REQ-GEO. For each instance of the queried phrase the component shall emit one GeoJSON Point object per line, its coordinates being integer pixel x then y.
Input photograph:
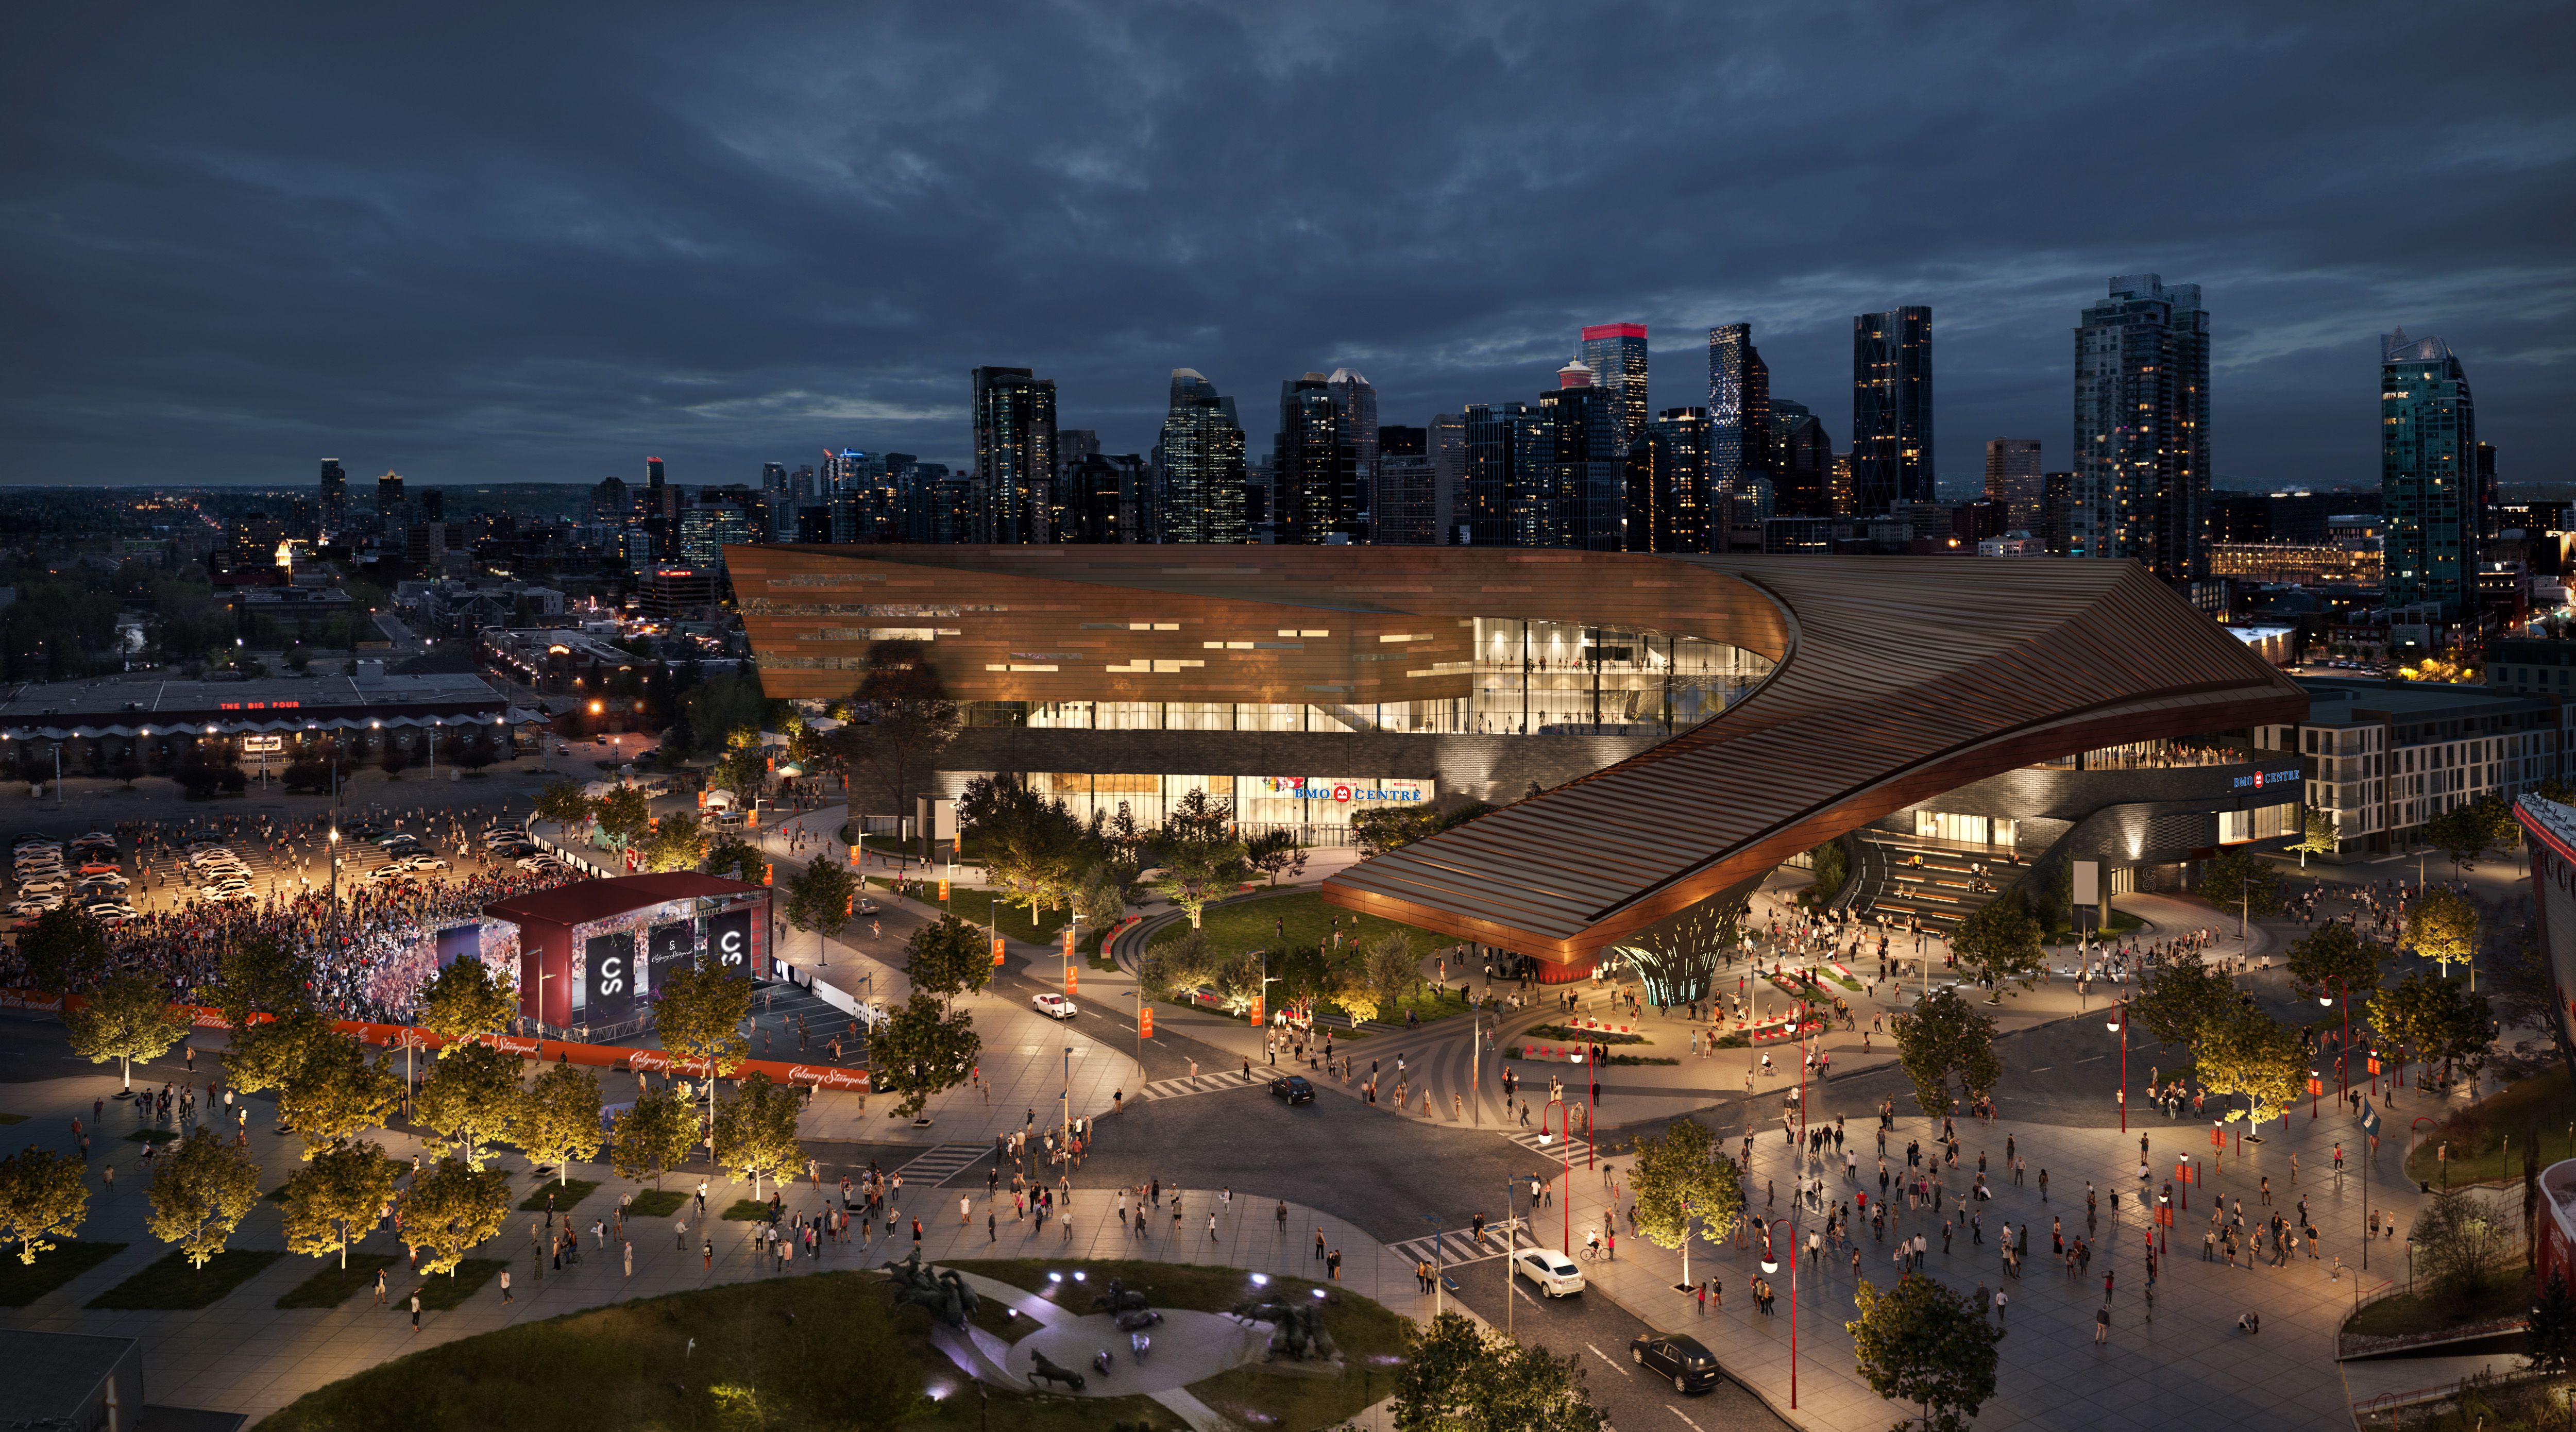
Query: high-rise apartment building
{"type": "Point", "coordinates": [335, 499]}
{"type": "Point", "coordinates": [1687, 503]}
{"type": "Point", "coordinates": [389, 496]}
{"type": "Point", "coordinates": [1739, 411]}
{"type": "Point", "coordinates": [1587, 463]}
{"type": "Point", "coordinates": [1802, 462]}
{"type": "Point", "coordinates": [1616, 354]}
{"type": "Point", "coordinates": [1200, 490]}
{"type": "Point", "coordinates": [2490, 498]}
{"type": "Point", "coordinates": [1072, 445]}
{"type": "Point", "coordinates": [2428, 478]}
{"type": "Point", "coordinates": [1014, 416]}
{"type": "Point", "coordinates": [2056, 512]}
{"type": "Point", "coordinates": [1891, 451]}
{"type": "Point", "coordinates": [1314, 467]}
{"type": "Point", "coordinates": [1356, 402]}
{"type": "Point", "coordinates": [1510, 458]}
{"type": "Point", "coordinates": [2142, 429]}
{"type": "Point", "coordinates": [2013, 478]}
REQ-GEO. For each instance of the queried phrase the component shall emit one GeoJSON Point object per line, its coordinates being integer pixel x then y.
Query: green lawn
{"type": "Point", "coordinates": [443, 1291]}
{"type": "Point", "coordinates": [13, 1118]}
{"type": "Point", "coordinates": [152, 1136]}
{"type": "Point", "coordinates": [565, 1195]}
{"type": "Point", "coordinates": [747, 1210]}
{"type": "Point", "coordinates": [171, 1283]}
{"type": "Point", "coordinates": [2507, 1293]}
{"type": "Point", "coordinates": [332, 1286]}
{"type": "Point", "coordinates": [657, 1203]}
{"type": "Point", "coordinates": [1296, 928]}
{"type": "Point", "coordinates": [24, 1283]}
{"type": "Point", "coordinates": [2487, 1137]}
{"type": "Point", "coordinates": [980, 907]}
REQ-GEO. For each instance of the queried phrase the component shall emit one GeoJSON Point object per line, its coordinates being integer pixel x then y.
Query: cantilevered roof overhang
{"type": "Point", "coordinates": [1898, 679]}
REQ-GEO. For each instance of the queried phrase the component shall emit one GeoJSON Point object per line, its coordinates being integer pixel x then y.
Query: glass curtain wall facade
{"type": "Point", "coordinates": [1529, 678]}
{"type": "Point", "coordinates": [1739, 411]}
{"type": "Point", "coordinates": [2142, 429]}
{"type": "Point", "coordinates": [1014, 415]}
{"type": "Point", "coordinates": [2428, 482]}
{"type": "Point", "coordinates": [1616, 354]}
{"type": "Point", "coordinates": [1891, 453]}
{"type": "Point", "coordinates": [1200, 497]}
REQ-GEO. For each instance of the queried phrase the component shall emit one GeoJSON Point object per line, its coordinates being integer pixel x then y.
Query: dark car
{"type": "Point", "coordinates": [1293, 1088]}
{"type": "Point", "coordinates": [1692, 1367]}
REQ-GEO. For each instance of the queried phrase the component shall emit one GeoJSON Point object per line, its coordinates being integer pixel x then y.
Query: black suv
{"type": "Point", "coordinates": [1692, 1367]}
{"type": "Point", "coordinates": [1293, 1088]}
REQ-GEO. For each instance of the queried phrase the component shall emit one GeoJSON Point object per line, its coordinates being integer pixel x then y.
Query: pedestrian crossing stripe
{"type": "Point", "coordinates": [943, 1162]}
{"type": "Point", "coordinates": [1458, 1246]}
{"type": "Point", "coordinates": [1554, 1147]}
{"type": "Point", "coordinates": [1194, 1084]}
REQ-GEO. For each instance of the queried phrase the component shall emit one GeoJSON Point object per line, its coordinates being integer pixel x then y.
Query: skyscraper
{"type": "Point", "coordinates": [1616, 354]}
{"type": "Point", "coordinates": [1014, 415]}
{"type": "Point", "coordinates": [1315, 476]}
{"type": "Point", "coordinates": [2490, 500]}
{"type": "Point", "coordinates": [2428, 479]}
{"type": "Point", "coordinates": [335, 499]}
{"type": "Point", "coordinates": [1446, 444]}
{"type": "Point", "coordinates": [1739, 410]}
{"type": "Point", "coordinates": [1200, 497]}
{"type": "Point", "coordinates": [389, 496]}
{"type": "Point", "coordinates": [2142, 428]}
{"type": "Point", "coordinates": [1891, 451]}
{"type": "Point", "coordinates": [1072, 445]}
{"type": "Point", "coordinates": [2013, 478]}
{"type": "Point", "coordinates": [1404, 506]}
{"type": "Point", "coordinates": [1587, 463]}
{"type": "Point", "coordinates": [1510, 453]}
{"type": "Point", "coordinates": [1356, 401]}
{"type": "Point", "coordinates": [1802, 462]}
{"type": "Point", "coordinates": [1683, 468]}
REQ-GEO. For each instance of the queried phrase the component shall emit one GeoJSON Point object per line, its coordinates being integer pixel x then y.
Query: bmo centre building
{"type": "Point", "coordinates": [1658, 731]}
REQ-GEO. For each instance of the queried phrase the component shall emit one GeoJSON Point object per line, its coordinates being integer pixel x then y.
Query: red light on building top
{"type": "Point", "coordinates": [1613, 330]}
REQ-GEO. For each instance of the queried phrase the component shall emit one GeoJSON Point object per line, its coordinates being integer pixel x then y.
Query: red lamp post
{"type": "Point", "coordinates": [1771, 1264]}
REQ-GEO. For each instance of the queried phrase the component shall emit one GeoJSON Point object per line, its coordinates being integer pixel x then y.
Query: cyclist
{"type": "Point", "coordinates": [1591, 1242]}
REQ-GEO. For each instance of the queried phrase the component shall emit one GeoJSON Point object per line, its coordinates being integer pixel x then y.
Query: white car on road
{"type": "Point", "coordinates": [1555, 1274]}
{"type": "Point", "coordinates": [1055, 1006]}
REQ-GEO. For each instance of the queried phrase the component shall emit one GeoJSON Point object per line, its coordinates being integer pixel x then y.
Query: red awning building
{"type": "Point", "coordinates": [592, 954]}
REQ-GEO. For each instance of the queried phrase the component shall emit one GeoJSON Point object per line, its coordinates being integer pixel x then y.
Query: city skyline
{"type": "Point", "coordinates": [662, 249]}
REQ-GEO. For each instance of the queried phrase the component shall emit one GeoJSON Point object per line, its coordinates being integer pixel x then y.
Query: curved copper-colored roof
{"type": "Point", "coordinates": [1899, 678]}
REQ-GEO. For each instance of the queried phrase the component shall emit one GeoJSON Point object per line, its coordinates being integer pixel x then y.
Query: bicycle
{"type": "Point", "coordinates": [1588, 1254]}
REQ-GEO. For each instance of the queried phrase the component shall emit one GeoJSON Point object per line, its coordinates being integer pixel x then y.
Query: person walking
{"type": "Point", "coordinates": [629, 1249]}
{"type": "Point", "coordinates": [380, 1287]}
{"type": "Point", "coordinates": [507, 1297]}
{"type": "Point", "coordinates": [415, 1310]}
{"type": "Point", "coordinates": [680, 1231]}
{"type": "Point", "coordinates": [2101, 1325]}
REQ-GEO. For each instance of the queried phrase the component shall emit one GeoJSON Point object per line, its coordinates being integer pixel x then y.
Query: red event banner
{"type": "Point", "coordinates": [603, 1056]}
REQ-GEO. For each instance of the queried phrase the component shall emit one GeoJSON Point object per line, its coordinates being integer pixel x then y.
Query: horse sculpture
{"type": "Point", "coordinates": [1296, 1329]}
{"type": "Point", "coordinates": [1119, 1299]}
{"type": "Point", "coordinates": [1047, 1371]}
{"type": "Point", "coordinates": [943, 1293]}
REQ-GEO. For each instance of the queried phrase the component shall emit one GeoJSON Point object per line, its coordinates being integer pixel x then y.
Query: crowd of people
{"type": "Point", "coordinates": [371, 947]}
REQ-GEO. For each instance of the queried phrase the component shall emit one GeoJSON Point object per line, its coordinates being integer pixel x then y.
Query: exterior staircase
{"type": "Point", "coordinates": [1924, 878]}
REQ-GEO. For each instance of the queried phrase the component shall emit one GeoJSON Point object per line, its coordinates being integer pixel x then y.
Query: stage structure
{"type": "Point", "coordinates": [591, 954]}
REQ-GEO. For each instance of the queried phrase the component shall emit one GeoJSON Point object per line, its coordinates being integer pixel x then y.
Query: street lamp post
{"type": "Point", "coordinates": [1772, 1265]}
{"type": "Point", "coordinates": [1566, 1160]}
{"type": "Point", "coordinates": [2119, 1024]}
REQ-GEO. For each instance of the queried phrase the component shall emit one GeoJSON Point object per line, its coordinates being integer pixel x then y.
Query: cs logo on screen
{"type": "Point", "coordinates": [729, 947]}
{"type": "Point", "coordinates": [612, 975]}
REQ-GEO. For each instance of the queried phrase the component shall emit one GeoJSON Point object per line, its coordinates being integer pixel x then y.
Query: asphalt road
{"type": "Point", "coordinates": [1597, 1331]}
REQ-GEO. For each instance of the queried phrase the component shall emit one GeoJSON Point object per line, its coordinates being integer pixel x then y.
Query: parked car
{"type": "Point", "coordinates": [391, 870]}
{"type": "Point", "coordinates": [100, 867]}
{"type": "Point", "coordinates": [111, 911]}
{"type": "Point", "coordinates": [1684, 1359]}
{"type": "Point", "coordinates": [1555, 1274]}
{"type": "Point", "coordinates": [1293, 1088]}
{"type": "Point", "coordinates": [399, 837]}
{"type": "Point", "coordinates": [423, 862]}
{"type": "Point", "coordinates": [1054, 1006]}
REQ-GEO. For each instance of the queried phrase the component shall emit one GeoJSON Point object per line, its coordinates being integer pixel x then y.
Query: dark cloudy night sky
{"type": "Point", "coordinates": [541, 241]}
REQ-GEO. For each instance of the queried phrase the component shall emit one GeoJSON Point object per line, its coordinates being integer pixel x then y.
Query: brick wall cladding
{"type": "Point", "coordinates": [1489, 768]}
